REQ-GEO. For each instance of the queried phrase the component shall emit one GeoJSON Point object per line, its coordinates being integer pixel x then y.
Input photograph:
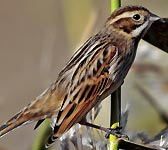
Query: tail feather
{"type": "Point", "coordinates": [34, 111]}
{"type": "Point", "coordinates": [12, 124]}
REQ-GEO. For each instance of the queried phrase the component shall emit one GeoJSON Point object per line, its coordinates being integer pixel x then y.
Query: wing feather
{"type": "Point", "coordinates": [89, 80]}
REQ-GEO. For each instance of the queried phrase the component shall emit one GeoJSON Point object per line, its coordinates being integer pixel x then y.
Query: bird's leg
{"type": "Point", "coordinates": [114, 131]}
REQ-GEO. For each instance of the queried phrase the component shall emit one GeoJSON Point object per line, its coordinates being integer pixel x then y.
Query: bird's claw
{"type": "Point", "coordinates": [116, 132]}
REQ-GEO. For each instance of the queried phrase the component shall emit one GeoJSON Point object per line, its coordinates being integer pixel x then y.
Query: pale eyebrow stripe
{"type": "Point", "coordinates": [123, 15]}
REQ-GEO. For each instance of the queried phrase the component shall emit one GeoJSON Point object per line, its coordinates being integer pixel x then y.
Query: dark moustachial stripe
{"type": "Point", "coordinates": [135, 26]}
{"type": "Point", "coordinates": [130, 28]}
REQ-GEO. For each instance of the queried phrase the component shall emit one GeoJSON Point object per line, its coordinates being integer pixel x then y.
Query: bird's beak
{"type": "Point", "coordinates": [154, 17]}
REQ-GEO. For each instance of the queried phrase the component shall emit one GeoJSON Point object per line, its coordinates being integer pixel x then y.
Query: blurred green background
{"type": "Point", "coordinates": [37, 37]}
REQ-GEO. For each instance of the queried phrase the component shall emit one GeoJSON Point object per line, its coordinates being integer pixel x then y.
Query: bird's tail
{"type": "Point", "coordinates": [38, 109]}
{"type": "Point", "coordinates": [32, 112]}
{"type": "Point", "coordinates": [15, 122]}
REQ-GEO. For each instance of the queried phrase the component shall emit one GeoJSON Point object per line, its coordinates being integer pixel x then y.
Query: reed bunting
{"type": "Point", "coordinates": [96, 70]}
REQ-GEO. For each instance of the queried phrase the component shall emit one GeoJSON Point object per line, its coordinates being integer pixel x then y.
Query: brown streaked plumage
{"type": "Point", "coordinates": [96, 70]}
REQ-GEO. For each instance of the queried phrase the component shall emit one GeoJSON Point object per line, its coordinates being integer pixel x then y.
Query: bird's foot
{"type": "Point", "coordinates": [116, 132]}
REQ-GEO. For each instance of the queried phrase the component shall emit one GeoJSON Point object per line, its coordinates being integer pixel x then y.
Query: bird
{"type": "Point", "coordinates": [93, 72]}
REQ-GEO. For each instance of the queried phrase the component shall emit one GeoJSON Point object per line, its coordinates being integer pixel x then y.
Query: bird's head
{"type": "Point", "coordinates": [131, 21]}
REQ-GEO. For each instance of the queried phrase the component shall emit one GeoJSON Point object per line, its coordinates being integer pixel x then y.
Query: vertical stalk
{"type": "Point", "coordinates": [115, 98]}
{"type": "Point", "coordinates": [42, 136]}
{"type": "Point", "coordinates": [115, 4]}
{"type": "Point", "coordinates": [115, 107]}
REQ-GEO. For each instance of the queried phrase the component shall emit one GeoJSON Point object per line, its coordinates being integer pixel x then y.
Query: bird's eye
{"type": "Point", "coordinates": [136, 17]}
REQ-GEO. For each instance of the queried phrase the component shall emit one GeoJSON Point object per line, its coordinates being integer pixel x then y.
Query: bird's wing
{"type": "Point", "coordinates": [89, 80]}
{"type": "Point", "coordinates": [91, 73]}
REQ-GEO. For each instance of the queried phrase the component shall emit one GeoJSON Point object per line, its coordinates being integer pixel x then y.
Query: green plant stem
{"type": "Point", "coordinates": [115, 4]}
{"type": "Point", "coordinates": [115, 96]}
{"type": "Point", "coordinates": [43, 132]}
{"type": "Point", "coordinates": [115, 106]}
{"type": "Point", "coordinates": [115, 99]}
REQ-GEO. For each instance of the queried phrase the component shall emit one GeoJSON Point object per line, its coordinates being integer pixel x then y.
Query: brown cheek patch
{"type": "Point", "coordinates": [126, 24]}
